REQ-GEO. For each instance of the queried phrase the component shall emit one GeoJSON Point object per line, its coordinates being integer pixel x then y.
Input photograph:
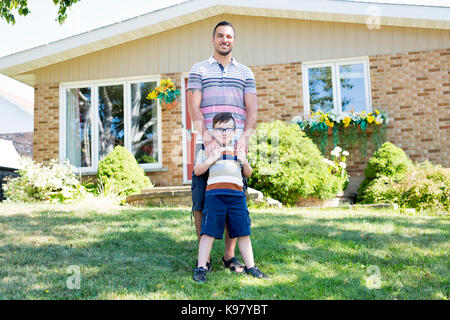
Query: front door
{"type": "Point", "coordinates": [190, 137]}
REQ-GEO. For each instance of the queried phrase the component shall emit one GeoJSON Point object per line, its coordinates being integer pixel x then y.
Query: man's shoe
{"type": "Point", "coordinates": [255, 272]}
{"type": "Point", "coordinates": [200, 275]}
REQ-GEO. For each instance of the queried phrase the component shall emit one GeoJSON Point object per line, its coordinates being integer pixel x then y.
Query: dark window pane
{"type": "Point", "coordinates": [144, 123]}
{"type": "Point", "coordinates": [111, 121]}
{"type": "Point", "coordinates": [320, 89]}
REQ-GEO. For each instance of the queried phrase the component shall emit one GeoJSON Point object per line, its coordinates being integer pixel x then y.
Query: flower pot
{"type": "Point", "coordinates": [171, 105]}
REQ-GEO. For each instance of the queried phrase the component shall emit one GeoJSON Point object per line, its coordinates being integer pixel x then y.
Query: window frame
{"type": "Point", "coordinates": [94, 85]}
{"type": "Point", "coordinates": [335, 64]}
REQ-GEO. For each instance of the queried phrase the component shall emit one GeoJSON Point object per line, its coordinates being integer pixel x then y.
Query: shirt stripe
{"type": "Point", "coordinates": [223, 89]}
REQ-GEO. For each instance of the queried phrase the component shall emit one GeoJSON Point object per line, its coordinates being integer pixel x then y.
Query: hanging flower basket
{"type": "Point", "coordinates": [170, 105]}
{"type": "Point", "coordinates": [166, 93]}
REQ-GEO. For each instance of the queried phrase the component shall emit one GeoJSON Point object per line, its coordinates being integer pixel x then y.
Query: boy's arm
{"type": "Point", "coordinates": [201, 166]}
{"type": "Point", "coordinates": [246, 168]}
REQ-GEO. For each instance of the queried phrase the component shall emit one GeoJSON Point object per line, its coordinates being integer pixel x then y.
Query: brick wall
{"type": "Point", "coordinates": [46, 122]}
{"type": "Point", "coordinates": [413, 87]}
{"type": "Point", "coordinates": [172, 141]}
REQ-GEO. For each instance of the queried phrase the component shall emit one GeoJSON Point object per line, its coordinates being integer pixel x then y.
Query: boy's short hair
{"type": "Point", "coordinates": [223, 117]}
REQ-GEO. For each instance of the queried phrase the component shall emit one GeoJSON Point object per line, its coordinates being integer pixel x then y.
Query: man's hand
{"type": "Point", "coordinates": [241, 157]}
{"type": "Point", "coordinates": [211, 146]}
{"type": "Point", "coordinates": [215, 155]}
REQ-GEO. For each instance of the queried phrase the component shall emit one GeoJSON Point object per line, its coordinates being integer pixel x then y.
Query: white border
{"type": "Point", "coordinates": [94, 85]}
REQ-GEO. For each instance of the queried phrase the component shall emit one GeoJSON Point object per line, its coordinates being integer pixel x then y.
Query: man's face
{"type": "Point", "coordinates": [223, 40]}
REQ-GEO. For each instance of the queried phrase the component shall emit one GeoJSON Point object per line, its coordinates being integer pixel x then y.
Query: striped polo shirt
{"type": "Point", "coordinates": [225, 175]}
{"type": "Point", "coordinates": [223, 89]}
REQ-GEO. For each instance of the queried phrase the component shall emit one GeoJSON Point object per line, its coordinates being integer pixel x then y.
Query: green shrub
{"type": "Point", "coordinates": [423, 186]}
{"type": "Point", "coordinates": [53, 183]}
{"type": "Point", "coordinates": [388, 161]}
{"type": "Point", "coordinates": [288, 165]}
{"type": "Point", "coordinates": [119, 170]}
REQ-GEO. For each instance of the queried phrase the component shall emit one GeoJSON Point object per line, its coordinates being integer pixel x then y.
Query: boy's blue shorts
{"type": "Point", "coordinates": [220, 209]}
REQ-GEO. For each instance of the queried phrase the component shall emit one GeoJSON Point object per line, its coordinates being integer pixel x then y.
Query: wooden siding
{"type": "Point", "coordinates": [260, 41]}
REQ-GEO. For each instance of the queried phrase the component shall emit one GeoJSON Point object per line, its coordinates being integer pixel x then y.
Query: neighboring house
{"type": "Point", "coordinates": [90, 89]}
{"type": "Point", "coordinates": [16, 122]}
{"type": "Point", "coordinates": [9, 163]}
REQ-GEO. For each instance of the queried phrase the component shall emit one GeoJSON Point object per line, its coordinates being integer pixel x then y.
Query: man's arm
{"type": "Point", "coordinates": [194, 99]}
{"type": "Point", "coordinates": [250, 121]}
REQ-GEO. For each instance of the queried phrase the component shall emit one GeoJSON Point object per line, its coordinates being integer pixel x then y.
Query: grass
{"type": "Point", "coordinates": [149, 253]}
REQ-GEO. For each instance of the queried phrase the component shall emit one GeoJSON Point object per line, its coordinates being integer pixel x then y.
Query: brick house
{"type": "Point", "coordinates": [16, 121]}
{"type": "Point", "coordinates": [90, 88]}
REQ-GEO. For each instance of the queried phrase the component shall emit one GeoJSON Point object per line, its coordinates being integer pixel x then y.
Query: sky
{"type": "Point", "coordinates": [39, 27]}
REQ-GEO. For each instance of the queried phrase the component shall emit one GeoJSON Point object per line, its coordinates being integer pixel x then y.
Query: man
{"type": "Point", "coordinates": [220, 84]}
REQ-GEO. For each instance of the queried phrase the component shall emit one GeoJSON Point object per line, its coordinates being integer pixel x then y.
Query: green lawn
{"type": "Point", "coordinates": [149, 253]}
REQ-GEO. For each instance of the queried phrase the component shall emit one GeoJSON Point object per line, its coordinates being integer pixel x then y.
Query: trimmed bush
{"type": "Point", "coordinates": [53, 183]}
{"type": "Point", "coordinates": [288, 165]}
{"type": "Point", "coordinates": [119, 170]}
{"type": "Point", "coordinates": [423, 186]}
{"type": "Point", "coordinates": [388, 161]}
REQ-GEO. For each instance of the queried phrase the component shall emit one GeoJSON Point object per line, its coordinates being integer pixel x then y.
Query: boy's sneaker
{"type": "Point", "coordinates": [200, 275]}
{"type": "Point", "coordinates": [255, 272]}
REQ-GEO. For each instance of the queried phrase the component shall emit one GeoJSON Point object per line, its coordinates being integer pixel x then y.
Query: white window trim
{"type": "Point", "coordinates": [335, 63]}
{"type": "Point", "coordinates": [93, 85]}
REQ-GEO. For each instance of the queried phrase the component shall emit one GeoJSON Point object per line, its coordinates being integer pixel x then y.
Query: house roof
{"type": "Point", "coordinates": [18, 65]}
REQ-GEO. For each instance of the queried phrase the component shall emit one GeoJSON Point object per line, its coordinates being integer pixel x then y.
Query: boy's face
{"type": "Point", "coordinates": [224, 131]}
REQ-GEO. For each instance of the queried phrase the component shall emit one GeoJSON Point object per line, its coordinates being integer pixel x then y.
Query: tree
{"type": "Point", "coordinates": [9, 7]}
{"type": "Point", "coordinates": [321, 88]}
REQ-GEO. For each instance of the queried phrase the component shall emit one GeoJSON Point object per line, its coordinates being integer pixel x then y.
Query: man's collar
{"type": "Point", "coordinates": [211, 60]}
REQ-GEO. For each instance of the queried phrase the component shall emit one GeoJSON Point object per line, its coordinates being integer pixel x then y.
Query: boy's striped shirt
{"type": "Point", "coordinates": [225, 175]}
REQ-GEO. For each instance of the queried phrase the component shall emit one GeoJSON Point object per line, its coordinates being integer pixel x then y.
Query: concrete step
{"type": "Point", "coordinates": [181, 195]}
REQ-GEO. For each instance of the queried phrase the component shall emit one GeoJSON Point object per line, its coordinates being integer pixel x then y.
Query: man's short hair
{"type": "Point", "coordinates": [223, 23]}
{"type": "Point", "coordinates": [223, 117]}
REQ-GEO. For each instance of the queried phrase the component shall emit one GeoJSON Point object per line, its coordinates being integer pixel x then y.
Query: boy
{"type": "Point", "coordinates": [224, 197]}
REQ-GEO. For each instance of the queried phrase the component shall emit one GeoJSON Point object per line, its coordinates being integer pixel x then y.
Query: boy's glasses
{"type": "Point", "coordinates": [224, 130]}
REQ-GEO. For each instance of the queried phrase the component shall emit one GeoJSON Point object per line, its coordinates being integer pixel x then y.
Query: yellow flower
{"type": "Point", "coordinates": [370, 119]}
{"type": "Point", "coordinates": [377, 112]}
{"type": "Point", "coordinates": [151, 95]}
{"type": "Point", "coordinates": [329, 123]}
{"type": "Point", "coordinates": [346, 121]}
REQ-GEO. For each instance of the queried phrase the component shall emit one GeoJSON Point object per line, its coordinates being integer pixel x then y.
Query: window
{"type": "Point", "coordinates": [336, 86]}
{"type": "Point", "coordinates": [97, 116]}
